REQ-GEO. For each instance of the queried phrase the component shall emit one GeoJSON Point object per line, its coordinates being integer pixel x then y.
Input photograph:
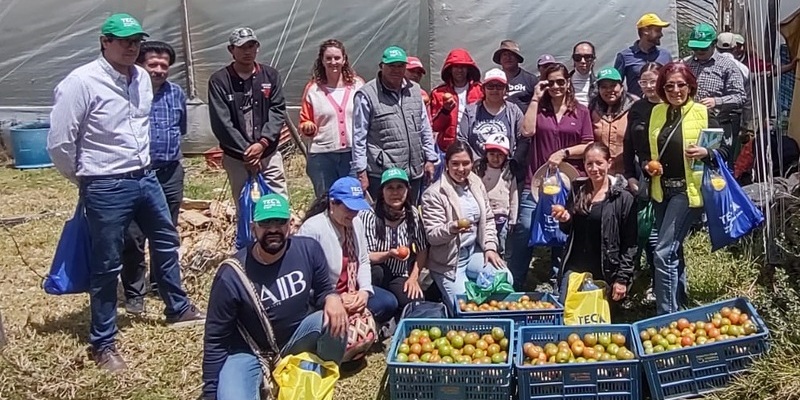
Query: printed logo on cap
{"type": "Point", "coordinates": [395, 53]}
{"type": "Point", "coordinates": [356, 191]}
{"type": "Point", "coordinates": [128, 22]}
{"type": "Point", "coordinates": [394, 172]}
{"type": "Point", "coordinates": [270, 203]}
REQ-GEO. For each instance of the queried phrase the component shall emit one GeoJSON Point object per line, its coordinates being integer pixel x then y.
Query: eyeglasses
{"type": "Point", "coordinates": [647, 83]}
{"type": "Point", "coordinates": [582, 57]}
{"type": "Point", "coordinates": [127, 42]}
{"type": "Point", "coordinates": [494, 87]}
{"type": "Point", "coordinates": [557, 82]}
{"type": "Point", "coordinates": [673, 86]}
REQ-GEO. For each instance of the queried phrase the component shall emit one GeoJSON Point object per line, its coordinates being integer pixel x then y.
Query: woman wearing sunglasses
{"type": "Point", "coordinates": [673, 130]}
{"type": "Point", "coordinates": [582, 77]}
{"type": "Point", "coordinates": [559, 128]}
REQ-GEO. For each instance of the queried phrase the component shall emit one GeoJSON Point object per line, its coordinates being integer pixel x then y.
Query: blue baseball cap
{"type": "Point", "coordinates": [348, 191]}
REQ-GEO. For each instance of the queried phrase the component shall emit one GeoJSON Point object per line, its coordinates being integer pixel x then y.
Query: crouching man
{"type": "Point", "coordinates": [290, 277]}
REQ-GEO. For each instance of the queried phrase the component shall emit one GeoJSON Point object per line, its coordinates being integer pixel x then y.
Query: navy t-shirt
{"type": "Point", "coordinates": [487, 125]}
{"type": "Point", "coordinates": [290, 289]}
{"type": "Point", "coordinates": [520, 89]}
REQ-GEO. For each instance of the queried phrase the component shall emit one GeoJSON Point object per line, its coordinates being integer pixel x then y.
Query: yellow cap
{"type": "Point", "coordinates": [650, 20]}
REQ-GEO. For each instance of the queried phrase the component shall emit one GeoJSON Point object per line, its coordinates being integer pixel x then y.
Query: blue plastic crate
{"type": "Point", "coordinates": [705, 368]}
{"type": "Point", "coordinates": [520, 317]}
{"type": "Point", "coordinates": [606, 380]}
{"type": "Point", "coordinates": [422, 381]}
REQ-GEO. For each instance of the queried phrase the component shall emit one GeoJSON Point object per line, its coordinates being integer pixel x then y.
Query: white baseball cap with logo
{"type": "Point", "coordinates": [497, 141]}
{"type": "Point", "coordinates": [495, 74]}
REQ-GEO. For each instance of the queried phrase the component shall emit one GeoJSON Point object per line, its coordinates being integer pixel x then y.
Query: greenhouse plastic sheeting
{"type": "Point", "coordinates": [44, 39]}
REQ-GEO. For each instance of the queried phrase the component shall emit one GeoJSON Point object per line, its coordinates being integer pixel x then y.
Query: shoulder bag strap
{"type": "Point", "coordinates": [674, 129]}
{"type": "Point", "coordinates": [274, 350]}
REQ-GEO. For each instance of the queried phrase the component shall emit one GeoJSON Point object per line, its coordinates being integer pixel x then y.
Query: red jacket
{"type": "Point", "coordinates": [444, 123]}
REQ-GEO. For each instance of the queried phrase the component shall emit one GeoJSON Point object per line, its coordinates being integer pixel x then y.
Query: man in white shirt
{"type": "Point", "coordinates": [583, 79]}
{"type": "Point", "coordinates": [100, 140]}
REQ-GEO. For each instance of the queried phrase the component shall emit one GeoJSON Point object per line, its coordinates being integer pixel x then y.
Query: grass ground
{"type": "Point", "coordinates": [46, 355]}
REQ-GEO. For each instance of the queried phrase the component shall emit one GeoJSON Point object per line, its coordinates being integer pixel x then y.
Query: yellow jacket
{"type": "Point", "coordinates": [695, 119]}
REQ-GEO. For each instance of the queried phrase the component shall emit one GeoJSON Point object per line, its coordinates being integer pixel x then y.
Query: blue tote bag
{"type": "Point", "coordinates": [731, 214]}
{"type": "Point", "coordinates": [253, 189]}
{"type": "Point", "coordinates": [69, 272]}
{"type": "Point", "coordinates": [545, 230]}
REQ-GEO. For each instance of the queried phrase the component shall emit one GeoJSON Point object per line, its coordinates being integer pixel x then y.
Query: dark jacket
{"type": "Point", "coordinates": [618, 226]}
{"type": "Point", "coordinates": [225, 102]}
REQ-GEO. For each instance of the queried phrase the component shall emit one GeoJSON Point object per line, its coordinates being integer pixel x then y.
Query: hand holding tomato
{"type": "Point", "coordinates": [559, 213]}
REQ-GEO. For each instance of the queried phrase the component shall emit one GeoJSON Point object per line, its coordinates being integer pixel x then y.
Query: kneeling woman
{"type": "Point", "coordinates": [460, 226]}
{"type": "Point", "coordinates": [396, 239]}
{"type": "Point", "coordinates": [600, 219]}
{"type": "Point", "coordinates": [332, 221]}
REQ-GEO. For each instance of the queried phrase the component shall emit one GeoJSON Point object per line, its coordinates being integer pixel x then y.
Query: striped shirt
{"type": "Point", "coordinates": [718, 78]}
{"type": "Point", "coordinates": [167, 123]}
{"type": "Point", "coordinates": [393, 238]}
{"type": "Point", "coordinates": [100, 122]}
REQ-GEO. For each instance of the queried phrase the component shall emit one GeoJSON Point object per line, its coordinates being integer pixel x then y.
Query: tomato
{"type": "Point", "coordinates": [686, 341]}
{"type": "Point", "coordinates": [683, 323]}
{"type": "Point", "coordinates": [402, 357]}
{"type": "Point", "coordinates": [416, 348]}
{"type": "Point", "coordinates": [435, 333]}
{"type": "Point", "coordinates": [618, 339]}
{"type": "Point", "coordinates": [725, 312]}
{"type": "Point", "coordinates": [498, 334]}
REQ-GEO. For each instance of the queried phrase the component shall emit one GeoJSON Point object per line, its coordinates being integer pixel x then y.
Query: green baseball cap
{"type": "Point", "coordinates": [702, 36]}
{"type": "Point", "coordinates": [122, 26]}
{"type": "Point", "coordinates": [609, 74]}
{"type": "Point", "coordinates": [394, 173]}
{"type": "Point", "coordinates": [394, 54]}
{"type": "Point", "coordinates": [271, 206]}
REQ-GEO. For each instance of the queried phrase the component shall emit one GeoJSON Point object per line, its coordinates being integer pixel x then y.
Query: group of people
{"type": "Point", "coordinates": [409, 184]}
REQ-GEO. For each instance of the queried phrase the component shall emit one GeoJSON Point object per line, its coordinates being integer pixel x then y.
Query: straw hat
{"type": "Point", "coordinates": [567, 171]}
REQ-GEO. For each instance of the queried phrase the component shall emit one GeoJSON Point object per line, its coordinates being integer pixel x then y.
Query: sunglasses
{"type": "Point", "coordinates": [557, 82]}
{"type": "Point", "coordinates": [272, 222]}
{"type": "Point", "coordinates": [582, 57]}
{"type": "Point", "coordinates": [672, 86]}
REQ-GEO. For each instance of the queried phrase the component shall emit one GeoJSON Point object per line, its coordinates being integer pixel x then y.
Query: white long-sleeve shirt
{"type": "Point", "coordinates": [100, 123]}
{"type": "Point", "coordinates": [320, 227]}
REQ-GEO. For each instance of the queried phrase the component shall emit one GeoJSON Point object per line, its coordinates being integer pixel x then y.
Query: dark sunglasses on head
{"type": "Point", "coordinates": [557, 82]}
{"type": "Point", "coordinates": [672, 86]}
{"type": "Point", "coordinates": [582, 57]}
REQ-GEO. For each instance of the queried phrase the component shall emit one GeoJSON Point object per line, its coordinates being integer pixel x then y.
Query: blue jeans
{"type": "Point", "coordinates": [325, 168]}
{"type": "Point", "coordinates": [382, 304]}
{"type": "Point", "coordinates": [170, 177]}
{"type": "Point", "coordinates": [111, 205]}
{"type": "Point", "coordinates": [673, 220]}
{"type": "Point", "coordinates": [240, 377]}
{"type": "Point", "coordinates": [518, 253]}
{"type": "Point", "coordinates": [470, 264]}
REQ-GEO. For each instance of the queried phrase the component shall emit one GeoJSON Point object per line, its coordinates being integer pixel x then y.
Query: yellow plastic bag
{"type": "Point", "coordinates": [585, 307]}
{"type": "Point", "coordinates": [305, 376]}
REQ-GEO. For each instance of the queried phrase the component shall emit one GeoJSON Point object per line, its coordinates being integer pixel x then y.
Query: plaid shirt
{"type": "Point", "coordinates": [167, 123]}
{"type": "Point", "coordinates": [720, 79]}
{"type": "Point", "coordinates": [786, 88]}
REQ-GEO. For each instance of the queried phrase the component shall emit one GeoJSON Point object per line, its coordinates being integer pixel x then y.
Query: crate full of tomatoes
{"type": "Point", "coordinates": [451, 359]}
{"type": "Point", "coordinates": [589, 361]}
{"type": "Point", "coordinates": [525, 308]}
{"type": "Point", "coordinates": [697, 351]}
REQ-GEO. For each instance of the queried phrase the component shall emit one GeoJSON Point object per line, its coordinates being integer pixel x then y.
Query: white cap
{"type": "Point", "coordinates": [495, 74]}
{"type": "Point", "coordinates": [726, 40]}
{"type": "Point", "coordinates": [497, 141]}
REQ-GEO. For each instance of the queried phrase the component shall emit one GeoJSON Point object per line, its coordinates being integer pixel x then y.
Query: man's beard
{"type": "Point", "coordinates": [272, 243]}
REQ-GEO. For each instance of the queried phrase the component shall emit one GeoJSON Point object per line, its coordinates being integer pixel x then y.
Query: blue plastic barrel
{"type": "Point", "coordinates": [29, 145]}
